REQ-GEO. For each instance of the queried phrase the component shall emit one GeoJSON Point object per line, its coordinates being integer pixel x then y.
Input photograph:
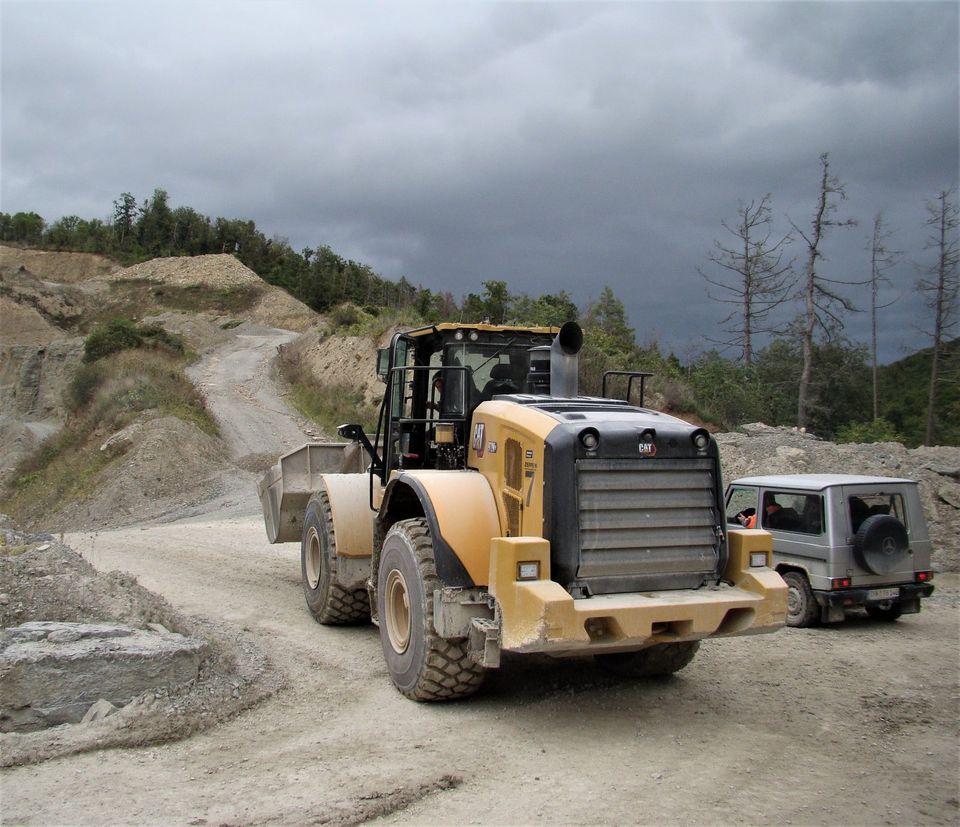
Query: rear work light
{"type": "Point", "coordinates": [840, 583]}
{"type": "Point", "coordinates": [923, 576]}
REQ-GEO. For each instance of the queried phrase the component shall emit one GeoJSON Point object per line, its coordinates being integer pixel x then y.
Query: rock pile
{"type": "Point", "coordinates": [91, 659]}
{"type": "Point", "coordinates": [274, 307]}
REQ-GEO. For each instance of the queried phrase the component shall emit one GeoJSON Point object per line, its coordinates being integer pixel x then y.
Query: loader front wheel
{"type": "Point", "coordinates": [422, 665]}
{"type": "Point", "coordinates": [655, 661]}
{"type": "Point", "coordinates": [329, 602]}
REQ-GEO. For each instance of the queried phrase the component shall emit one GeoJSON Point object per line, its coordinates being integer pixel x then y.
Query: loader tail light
{"type": "Point", "coordinates": [840, 583]}
{"type": "Point", "coordinates": [528, 570]}
{"type": "Point", "coordinates": [924, 576]}
{"type": "Point", "coordinates": [758, 559]}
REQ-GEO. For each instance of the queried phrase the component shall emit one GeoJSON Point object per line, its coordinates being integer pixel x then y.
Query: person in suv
{"type": "Point", "coordinates": [841, 542]}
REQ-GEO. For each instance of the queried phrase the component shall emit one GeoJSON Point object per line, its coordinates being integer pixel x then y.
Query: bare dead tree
{"type": "Point", "coordinates": [941, 286]}
{"type": "Point", "coordinates": [757, 280]}
{"type": "Point", "coordinates": [882, 259]}
{"type": "Point", "coordinates": [823, 305]}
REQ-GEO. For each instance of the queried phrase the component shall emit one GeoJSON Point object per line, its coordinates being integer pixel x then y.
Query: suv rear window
{"type": "Point", "coordinates": [867, 505]}
{"type": "Point", "coordinates": [802, 513]}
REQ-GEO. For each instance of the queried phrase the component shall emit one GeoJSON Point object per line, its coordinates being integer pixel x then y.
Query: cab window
{"type": "Point", "coordinates": [401, 396]}
{"type": "Point", "coordinates": [789, 511]}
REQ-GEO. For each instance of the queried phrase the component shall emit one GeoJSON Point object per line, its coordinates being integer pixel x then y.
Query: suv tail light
{"type": "Point", "coordinates": [923, 576]}
{"type": "Point", "coordinates": [840, 583]}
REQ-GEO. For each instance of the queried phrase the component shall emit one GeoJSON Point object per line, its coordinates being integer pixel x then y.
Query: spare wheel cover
{"type": "Point", "coordinates": [881, 543]}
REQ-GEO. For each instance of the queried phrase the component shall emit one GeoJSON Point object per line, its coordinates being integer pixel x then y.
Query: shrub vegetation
{"type": "Point", "coordinates": [123, 334]}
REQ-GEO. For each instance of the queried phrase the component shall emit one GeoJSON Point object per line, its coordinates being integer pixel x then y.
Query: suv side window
{"type": "Point", "coordinates": [787, 511]}
{"type": "Point", "coordinates": [869, 505]}
{"type": "Point", "coordinates": [741, 501]}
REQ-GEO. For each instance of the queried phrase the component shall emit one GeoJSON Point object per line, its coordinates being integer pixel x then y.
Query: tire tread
{"type": "Point", "coordinates": [449, 671]}
{"type": "Point", "coordinates": [342, 607]}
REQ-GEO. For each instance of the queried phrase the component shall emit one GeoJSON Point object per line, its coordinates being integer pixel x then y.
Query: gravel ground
{"type": "Point", "coordinates": [853, 724]}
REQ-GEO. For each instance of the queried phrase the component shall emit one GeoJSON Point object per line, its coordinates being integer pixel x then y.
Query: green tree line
{"type": "Point", "coordinates": [725, 391]}
{"type": "Point", "coordinates": [136, 232]}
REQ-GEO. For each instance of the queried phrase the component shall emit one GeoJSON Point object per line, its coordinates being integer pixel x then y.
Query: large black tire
{"type": "Point", "coordinates": [655, 661]}
{"type": "Point", "coordinates": [881, 543]}
{"type": "Point", "coordinates": [329, 603]}
{"type": "Point", "coordinates": [887, 613]}
{"type": "Point", "coordinates": [423, 665]}
{"type": "Point", "coordinates": [802, 608]}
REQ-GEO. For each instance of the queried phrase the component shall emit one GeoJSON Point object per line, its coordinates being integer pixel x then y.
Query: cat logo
{"type": "Point", "coordinates": [648, 449]}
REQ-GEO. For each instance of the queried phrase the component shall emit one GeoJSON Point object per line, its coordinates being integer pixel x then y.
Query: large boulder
{"type": "Point", "coordinates": [52, 672]}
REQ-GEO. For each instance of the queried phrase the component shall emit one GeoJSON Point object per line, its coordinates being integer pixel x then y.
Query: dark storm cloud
{"type": "Point", "coordinates": [894, 44]}
{"type": "Point", "coordinates": [553, 145]}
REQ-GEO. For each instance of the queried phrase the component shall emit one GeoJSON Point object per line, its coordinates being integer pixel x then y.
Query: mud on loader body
{"type": "Point", "coordinates": [500, 511]}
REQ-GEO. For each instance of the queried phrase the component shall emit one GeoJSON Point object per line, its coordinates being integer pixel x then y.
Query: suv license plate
{"type": "Point", "coordinates": [883, 594]}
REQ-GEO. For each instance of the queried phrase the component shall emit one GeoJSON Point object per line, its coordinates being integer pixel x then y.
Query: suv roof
{"type": "Point", "coordinates": [815, 482]}
{"type": "Point", "coordinates": [484, 327]}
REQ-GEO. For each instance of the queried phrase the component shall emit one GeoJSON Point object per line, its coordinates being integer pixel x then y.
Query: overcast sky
{"type": "Point", "coordinates": [551, 145]}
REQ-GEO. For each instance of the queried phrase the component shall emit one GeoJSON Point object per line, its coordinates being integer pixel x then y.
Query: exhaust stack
{"type": "Point", "coordinates": [564, 362]}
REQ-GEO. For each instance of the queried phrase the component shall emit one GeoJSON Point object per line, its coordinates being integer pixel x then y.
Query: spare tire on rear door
{"type": "Point", "coordinates": [880, 543]}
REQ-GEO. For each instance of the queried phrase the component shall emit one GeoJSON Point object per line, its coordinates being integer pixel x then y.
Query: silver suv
{"type": "Point", "coordinates": [840, 542]}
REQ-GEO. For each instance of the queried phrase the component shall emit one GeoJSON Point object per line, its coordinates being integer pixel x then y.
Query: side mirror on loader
{"type": "Point", "coordinates": [355, 433]}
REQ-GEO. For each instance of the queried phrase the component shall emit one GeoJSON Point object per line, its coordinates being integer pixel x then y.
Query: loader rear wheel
{"type": "Point", "coordinates": [329, 602]}
{"type": "Point", "coordinates": [422, 665]}
{"type": "Point", "coordinates": [654, 661]}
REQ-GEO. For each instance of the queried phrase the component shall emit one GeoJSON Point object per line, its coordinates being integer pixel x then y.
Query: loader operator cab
{"type": "Point", "coordinates": [436, 377]}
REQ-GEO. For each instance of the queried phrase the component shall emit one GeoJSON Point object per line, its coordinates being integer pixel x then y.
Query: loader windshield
{"type": "Point", "coordinates": [490, 369]}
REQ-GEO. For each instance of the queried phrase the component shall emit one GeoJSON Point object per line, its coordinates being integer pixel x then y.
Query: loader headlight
{"type": "Point", "coordinates": [758, 559]}
{"type": "Point", "coordinates": [528, 570]}
{"type": "Point", "coordinates": [701, 439]}
{"type": "Point", "coordinates": [590, 439]}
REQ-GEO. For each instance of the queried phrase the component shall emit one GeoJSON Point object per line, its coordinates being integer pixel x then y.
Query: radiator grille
{"type": "Point", "coordinates": [646, 517]}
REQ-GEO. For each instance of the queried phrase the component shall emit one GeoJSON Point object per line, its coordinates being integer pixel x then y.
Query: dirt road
{"type": "Point", "coordinates": [236, 381]}
{"type": "Point", "coordinates": [853, 724]}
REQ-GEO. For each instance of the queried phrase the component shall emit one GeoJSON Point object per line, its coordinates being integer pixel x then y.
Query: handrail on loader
{"type": "Point", "coordinates": [633, 374]}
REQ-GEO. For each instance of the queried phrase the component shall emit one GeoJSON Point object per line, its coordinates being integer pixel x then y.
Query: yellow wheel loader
{"type": "Point", "coordinates": [496, 510]}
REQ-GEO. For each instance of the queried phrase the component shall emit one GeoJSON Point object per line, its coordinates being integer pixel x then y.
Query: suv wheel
{"type": "Point", "coordinates": [802, 608]}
